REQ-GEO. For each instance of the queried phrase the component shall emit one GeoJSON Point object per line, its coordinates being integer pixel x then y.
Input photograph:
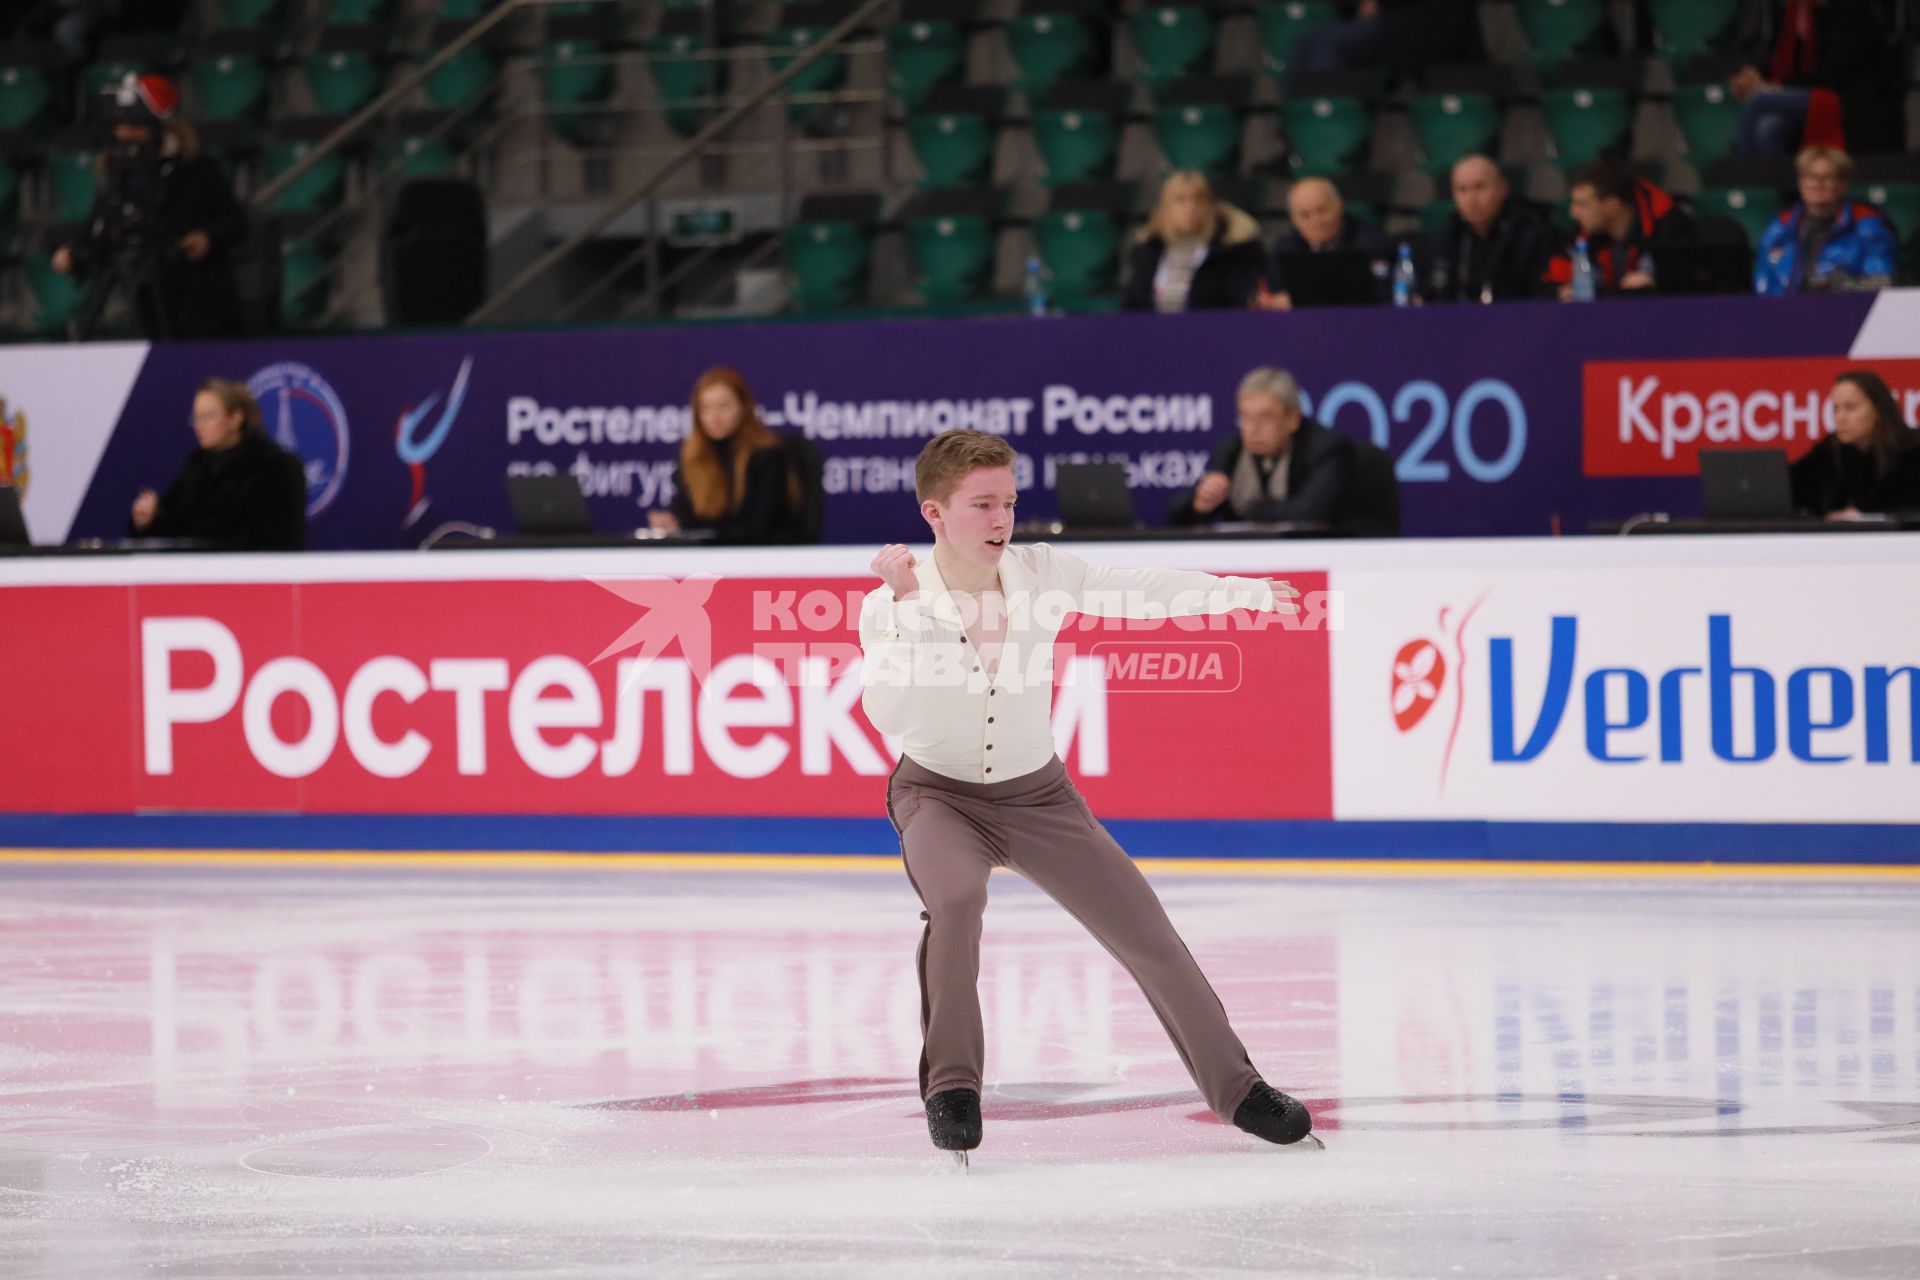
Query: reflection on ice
{"type": "Point", "coordinates": [474, 1074]}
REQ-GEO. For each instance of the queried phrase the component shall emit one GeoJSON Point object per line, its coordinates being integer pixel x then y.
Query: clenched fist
{"type": "Point", "coordinates": [895, 564]}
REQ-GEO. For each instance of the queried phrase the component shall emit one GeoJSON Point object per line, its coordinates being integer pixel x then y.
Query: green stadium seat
{"type": "Point", "coordinates": [1891, 184]}
{"type": "Point", "coordinates": [1076, 130]}
{"type": "Point", "coordinates": [1171, 42]}
{"type": "Point", "coordinates": [954, 138]}
{"type": "Point", "coordinates": [56, 297]}
{"type": "Point", "coordinates": [1708, 117]}
{"type": "Point", "coordinates": [229, 86]}
{"type": "Point", "coordinates": [26, 87]}
{"type": "Point", "coordinates": [1081, 248]}
{"type": "Point", "coordinates": [1282, 24]}
{"type": "Point", "coordinates": [927, 49]}
{"type": "Point", "coordinates": [1456, 114]}
{"type": "Point", "coordinates": [829, 264]}
{"type": "Point", "coordinates": [576, 76]}
{"type": "Point", "coordinates": [304, 282]}
{"type": "Point", "coordinates": [358, 13]}
{"type": "Point", "coordinates": [463, 81]}
{"type": "Point", "coordinates": [1199, 135]}
{"type": "Point", "coordinates": [1688, 28]}
{"type": "Point", "coordinates": [1328, 120]}
{"type": "Point", "coordinates": [1589, 112]}
{"type": "Point", "coordinates": [1197, 125]}
{"type": "Point", "coordinates": [1752, 207]}
{"type": "Point", "coordinates": [344, 73]}
{"type": "Point", "coordinates": [463, 11]}
{"type": "Point", "coordinates": [1561, 29]}
{"type": "Point", "coordinates": [801, 27]}
{"type": "Point", "coordinates": [421, 147]}
{"type": "Point", "coordinates": [73, 180]}
{"type": "Point", "coordinates": [319, 189]}
{"type": "Point", "coordinates": [254, 14]}
{"type": "Point", "coordinates": [1434, 217]}
{"type": "Point", "coordinates": [684, 77]}
{"type": "Point", "coordinates": [827, 248]}
{"type": "Point", "coordinates": [951, 237]}
{"type": "Point", "coordinates": [1051, 41]}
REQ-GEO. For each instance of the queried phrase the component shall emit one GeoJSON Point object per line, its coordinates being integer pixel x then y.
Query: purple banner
{"type": "Point", "coordinates": [1480, 407]}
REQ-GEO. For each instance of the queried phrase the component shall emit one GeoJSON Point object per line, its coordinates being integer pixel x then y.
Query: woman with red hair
{"type": "Point", "coordinates": [733, 475]}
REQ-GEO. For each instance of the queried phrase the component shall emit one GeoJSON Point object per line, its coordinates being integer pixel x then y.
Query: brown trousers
{"type": "Point", "coordinates": [953, 833]}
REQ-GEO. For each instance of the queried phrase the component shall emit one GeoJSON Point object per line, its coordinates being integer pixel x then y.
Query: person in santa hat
{"type": "Point", "coordinates": [165, 220]}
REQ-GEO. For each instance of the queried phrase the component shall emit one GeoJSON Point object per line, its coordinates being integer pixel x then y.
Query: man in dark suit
{"type": "Point", "coordinates": [1282, 466]}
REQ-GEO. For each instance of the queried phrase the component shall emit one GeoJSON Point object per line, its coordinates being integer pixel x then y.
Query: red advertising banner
{"type": "Point", "coordinates": [1652, 417]}
{"type": "Point", "coordinates": [717, 696]}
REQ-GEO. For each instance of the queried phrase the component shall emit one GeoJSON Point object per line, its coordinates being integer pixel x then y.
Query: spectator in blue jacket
{"type": "Point", "coordinates": [1826, 242]}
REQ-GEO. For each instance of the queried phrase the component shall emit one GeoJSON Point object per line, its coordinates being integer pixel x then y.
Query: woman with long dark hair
{"type": "Point", "coordinates": [238, 490]}
{"type": "Point", "coordinates": [733, 475]}
{"type": "Point", "coordinates": [1871, 462]}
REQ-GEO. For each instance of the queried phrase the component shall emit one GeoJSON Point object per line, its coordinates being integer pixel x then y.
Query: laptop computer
{"type": "Point", "coordinates": [1093, 495]}
{"type": "Point", "coordinates": [1336, 278]}
{"type": "Point", "coordinates": [1703, 268]}
{"type": "Point", "coordinates": [13, 524]}
{"type": "Point", "coordinates": [1745, 484]}
{"type": "Point", "coordinates": [549, 505]}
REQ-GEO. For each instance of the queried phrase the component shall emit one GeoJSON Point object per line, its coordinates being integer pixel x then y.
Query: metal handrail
{"type": "Point", "coordinates": [693, 146]}
{"type": "Point", "coordinates": [394, 93]}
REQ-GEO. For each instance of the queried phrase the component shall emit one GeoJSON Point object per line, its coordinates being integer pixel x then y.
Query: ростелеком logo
{"type": "Point", "coordinates": [306, 417]}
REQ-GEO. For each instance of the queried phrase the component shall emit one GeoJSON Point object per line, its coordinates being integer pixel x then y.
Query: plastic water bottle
{"type": "Point", "coordinates": [1584, 289]}
{"type": "Point", "coordinates": [1035, 287]}
{"type": "Point", "coordinates": [1403, 277]}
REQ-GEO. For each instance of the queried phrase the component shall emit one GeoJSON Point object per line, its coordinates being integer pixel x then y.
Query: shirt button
{"type": "Point", "coordinates": [991, 692]}
{"type": "Point", "coordinates": [989, 719]}
{"type": "Point", "coordinates": [976, 668]}
{"type": "Point", "coordinates": [989, 746]}
{"type": "Point", "coordinates": [989, 768]}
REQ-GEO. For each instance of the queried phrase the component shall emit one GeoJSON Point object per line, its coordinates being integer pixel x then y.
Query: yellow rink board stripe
{"type": "Point", "coordinates": [1411, 868]}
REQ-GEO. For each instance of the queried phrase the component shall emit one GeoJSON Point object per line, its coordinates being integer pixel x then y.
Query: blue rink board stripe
{"type": "Point", "coordinates": [1889, 844]}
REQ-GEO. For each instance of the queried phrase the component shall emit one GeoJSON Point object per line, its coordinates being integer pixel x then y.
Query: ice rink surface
{"type": "Point", "coordinates": [353, 1073]}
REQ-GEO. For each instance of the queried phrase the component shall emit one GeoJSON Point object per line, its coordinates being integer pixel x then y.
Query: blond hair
{"type": "Point", "coordinates": [1810, 156]}
{"type": "Point", "coordinates": [1161, 223]}
{"type": "Point", "coordinates": [237, 397]}
{"type": "Point", "coordinates": [950, 456]}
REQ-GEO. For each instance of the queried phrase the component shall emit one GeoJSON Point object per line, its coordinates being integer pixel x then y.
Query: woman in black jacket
{"type": "Point", "coordinates": [1196, 253]}
{"type": "Point", "coordinates": [733, 476]}
{"type": "Point", "coordinates": [239, 490]}
{"type": "Point", "coordinates": [1871, 462]}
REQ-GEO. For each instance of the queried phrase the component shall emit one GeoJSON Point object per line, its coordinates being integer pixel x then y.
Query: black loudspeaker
{"type": "Point", "coordinates": [433, 257]}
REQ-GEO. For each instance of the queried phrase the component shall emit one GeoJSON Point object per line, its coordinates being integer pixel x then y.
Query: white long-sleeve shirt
{"type": "Point", "coordinates": [923, 678]}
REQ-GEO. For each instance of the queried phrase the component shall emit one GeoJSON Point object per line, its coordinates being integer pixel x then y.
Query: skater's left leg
{"type": "Point", "coordinates": [1061, 848]}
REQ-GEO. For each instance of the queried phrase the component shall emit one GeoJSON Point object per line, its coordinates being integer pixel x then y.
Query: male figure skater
{"type": "Point", "coordinates": [958, 660]}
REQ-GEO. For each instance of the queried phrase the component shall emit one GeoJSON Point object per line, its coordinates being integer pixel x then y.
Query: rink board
{"type": "Point", "coordinates": [1746, 700]}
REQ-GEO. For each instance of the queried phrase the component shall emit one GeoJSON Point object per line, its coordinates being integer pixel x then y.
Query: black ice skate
{"type": "Point", "coordinates": [1268, 1113]}
{"type": "Point", "coordinates": [953, 1121]}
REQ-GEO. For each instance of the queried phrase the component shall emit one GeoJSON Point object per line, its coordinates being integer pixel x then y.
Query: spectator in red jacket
{"type": "Point", "coordinates": [1833, 79]}
{"type": "Point", "coordinates": [1622, 218]}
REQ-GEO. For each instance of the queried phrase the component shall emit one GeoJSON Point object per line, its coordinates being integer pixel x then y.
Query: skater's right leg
{"type": "Point", "coordinates": [948, 853]}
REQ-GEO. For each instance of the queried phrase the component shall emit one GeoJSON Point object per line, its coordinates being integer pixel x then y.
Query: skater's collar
{"type": "Point", "coordinates": [1016, 578]}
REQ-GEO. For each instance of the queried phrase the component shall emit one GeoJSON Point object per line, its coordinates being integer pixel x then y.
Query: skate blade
{"type": "Point", "coordinates": [1314, 1139]}
{"type": "Point", "coordinates": [960, 1160]}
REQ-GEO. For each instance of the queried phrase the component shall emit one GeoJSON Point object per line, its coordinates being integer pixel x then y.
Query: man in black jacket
{"type": "Point", "coordinates": [1320, 224]}
{"type": "Point", "coordinates": [1496, 246]}
{"type": "Point", "coordinates": [1623, 218]}
{"type": "Point", "coordinates": [1282, 466]}
{"type": "Point", "coordinates": [163, 224]}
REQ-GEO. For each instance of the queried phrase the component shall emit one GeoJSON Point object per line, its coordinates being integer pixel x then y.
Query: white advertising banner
{"type": "Point", "coordinates": [1781, 684]}
{"type": "Point", "coordinates": [58, 409]}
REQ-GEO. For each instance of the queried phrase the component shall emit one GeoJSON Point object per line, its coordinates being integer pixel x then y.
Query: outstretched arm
{"type": "Point", "coordinates": [1106, 592]}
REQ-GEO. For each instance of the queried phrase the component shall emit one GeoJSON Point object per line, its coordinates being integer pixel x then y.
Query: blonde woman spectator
{"type": "Point", "coordinates": [1196, 253]}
